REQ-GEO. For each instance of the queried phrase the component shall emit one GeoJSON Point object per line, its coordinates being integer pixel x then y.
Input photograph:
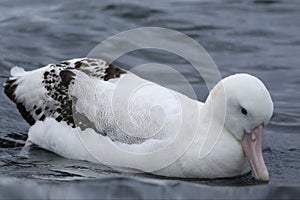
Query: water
{"type": "Point", "coordinates": [260, 37]}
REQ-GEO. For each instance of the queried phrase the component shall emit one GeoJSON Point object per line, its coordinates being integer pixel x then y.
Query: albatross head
{"type": "Point", "coordinates": [248, 108]}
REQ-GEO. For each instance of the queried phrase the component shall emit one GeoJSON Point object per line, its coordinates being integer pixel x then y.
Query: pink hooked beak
{"type": "Point", "coordinates": [251, 144]}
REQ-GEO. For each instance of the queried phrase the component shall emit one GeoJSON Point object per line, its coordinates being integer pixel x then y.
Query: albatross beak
{"type": "Point", "coordinates": [251, 144]}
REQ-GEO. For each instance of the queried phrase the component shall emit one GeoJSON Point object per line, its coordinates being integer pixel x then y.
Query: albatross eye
{"type": "Point", "coordinates": [244, 111]}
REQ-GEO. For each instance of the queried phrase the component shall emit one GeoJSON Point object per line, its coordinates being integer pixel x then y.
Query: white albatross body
{"type": "Point", "coordinates": [88, 110]}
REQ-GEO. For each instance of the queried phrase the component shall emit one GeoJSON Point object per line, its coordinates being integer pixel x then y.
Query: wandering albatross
{"type": "Point", "coordinates": [80, 100]}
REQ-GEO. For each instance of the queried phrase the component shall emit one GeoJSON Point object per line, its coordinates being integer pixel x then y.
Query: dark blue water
{"type": "Point", "coordinates": [260, 37]}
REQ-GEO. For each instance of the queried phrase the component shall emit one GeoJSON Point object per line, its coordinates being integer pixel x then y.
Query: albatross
{"type": "Point", "coordinates": [86, 108]}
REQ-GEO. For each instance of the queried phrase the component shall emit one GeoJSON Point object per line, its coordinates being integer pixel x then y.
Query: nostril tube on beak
{"type": "Point", "coordinates": [253, 138]}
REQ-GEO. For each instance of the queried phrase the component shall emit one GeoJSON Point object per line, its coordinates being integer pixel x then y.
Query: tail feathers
{"type": "Point", "coordinates": [41, 93]}
{"type": "Point", "coordinates": [9, 89]}
{"type": "Point", "coordinates": [17, 71]}
{"type": "Point", "coordinates": [10, 85]}
{"type": "Point", "coordinates": [26, 91]}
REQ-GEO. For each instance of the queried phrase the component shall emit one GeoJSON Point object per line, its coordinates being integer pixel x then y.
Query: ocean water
{"type": "Point", "coordinates": [260, 37]}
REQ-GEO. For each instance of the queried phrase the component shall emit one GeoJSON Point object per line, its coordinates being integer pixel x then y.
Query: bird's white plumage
{"type": "Point", "coordinates": [17, 71]}
{"type": "Point", "coordinates": [147, 119]}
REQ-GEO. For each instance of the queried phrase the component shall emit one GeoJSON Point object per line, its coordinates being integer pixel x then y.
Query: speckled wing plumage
{"type": "Point", "coordinates": [45, 93]}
